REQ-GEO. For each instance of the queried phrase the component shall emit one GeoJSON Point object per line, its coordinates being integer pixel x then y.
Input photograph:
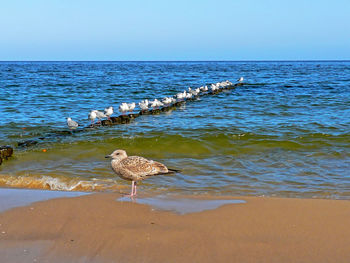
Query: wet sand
{"type": "Point", "coordinates": [97, 228]}
{"type": "Point", "coordinates": [10, 197]}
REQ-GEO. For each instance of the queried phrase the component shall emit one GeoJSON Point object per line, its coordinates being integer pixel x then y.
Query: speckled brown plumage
{"type": "Point", "coordinates": [135, 168]}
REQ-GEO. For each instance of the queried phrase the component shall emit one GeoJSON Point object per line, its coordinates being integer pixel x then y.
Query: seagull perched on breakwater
{"type": "Point", "coordinates": [108, 112]}
{"type": "Point", "coordinates": [181, 95]}
{"type": "Point", "coordinates": [240, 79]}
{"type": "Point", "coordinates": [167, 101]}
{"type": "Point", "coordinates": [100, 115]}
{"type": "Point", "coordinates": [214, 87]}
{"type": "Point", "coordinates": [123, 108]}
{"type": "Point", "coordinates": [92, 116]}
{"type": "Point", "coordinates": [204, 88]}
{"type": "Point", "coordinates": [195, 92]}
{"type": "Point", "coordinates": [136, 168]}
{"type": "Point", "coordinates": [72, 124]}
{"type": "Point", "coordinates": [156, 103]}
{"type": "Point", "coordinates": [144, 105]}
{"type": "Point", "coordinates": [131, 106]}
{"type": "Point", "coordinates": [188, 95]}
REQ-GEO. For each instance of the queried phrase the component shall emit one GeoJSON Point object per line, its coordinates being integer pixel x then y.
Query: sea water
{"type": "Point", "coordinates": [285, 132]}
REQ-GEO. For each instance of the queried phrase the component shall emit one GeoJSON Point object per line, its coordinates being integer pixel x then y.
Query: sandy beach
{"type": "Point", "coordinates": [98, 228]}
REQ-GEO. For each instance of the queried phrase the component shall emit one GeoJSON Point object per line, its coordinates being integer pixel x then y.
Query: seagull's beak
{"type": "Point", "coordinates": [108, 156]}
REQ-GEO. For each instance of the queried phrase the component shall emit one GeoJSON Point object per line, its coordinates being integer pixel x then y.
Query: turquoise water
{"type": "Point", "coordinates": [285, 132]}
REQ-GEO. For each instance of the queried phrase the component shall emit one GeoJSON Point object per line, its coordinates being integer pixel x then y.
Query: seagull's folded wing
{"type": "Point", "coordinates": [142, 167]}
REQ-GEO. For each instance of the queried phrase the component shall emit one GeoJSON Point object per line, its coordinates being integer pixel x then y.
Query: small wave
{"type": "Point", "coordinates": [119, 85]}
{"type": "Point", "coordinates": [55, 183]}
{"type": "Point", "coordinates": [63, 84]}
{"type": "Point", "coordinates": [12, 86]}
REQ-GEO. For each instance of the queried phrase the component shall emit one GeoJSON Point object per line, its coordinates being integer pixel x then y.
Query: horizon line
{"type": "Point", "coordinates": [277, 60]}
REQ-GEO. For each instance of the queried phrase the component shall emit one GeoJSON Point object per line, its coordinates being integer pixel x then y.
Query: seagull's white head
{"type": "Point", "coordinates": [118, 155]}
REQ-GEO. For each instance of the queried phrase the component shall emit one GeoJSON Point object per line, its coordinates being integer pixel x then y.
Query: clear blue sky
{"type": "Point", "coordinates": [176, 30]}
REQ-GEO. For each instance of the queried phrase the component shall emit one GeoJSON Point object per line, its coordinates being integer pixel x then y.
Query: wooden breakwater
{"type": "Point", "coordinates": [5, 153]}
{"type": "Point", "coordinates": [122, 119]}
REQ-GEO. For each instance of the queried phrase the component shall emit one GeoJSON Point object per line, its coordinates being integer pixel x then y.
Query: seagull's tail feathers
{"type": "Point", "coordinates": [170, 172]}
{"type": "Point", "coordinates": [174, 171]}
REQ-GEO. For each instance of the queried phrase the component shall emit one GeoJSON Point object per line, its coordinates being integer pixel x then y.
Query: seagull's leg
{"type": "Point", "coordinates": [135, 188]}
{"type": "Point", "coordinates": [132, 188]}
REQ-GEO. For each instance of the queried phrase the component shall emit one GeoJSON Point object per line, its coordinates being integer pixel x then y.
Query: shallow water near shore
{"type": "Point", "coordinates": [181, 205]}
{"type": "Point", "coordinates": [284, 133]}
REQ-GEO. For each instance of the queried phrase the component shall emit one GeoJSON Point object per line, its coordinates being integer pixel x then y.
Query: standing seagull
{"type": "Point", "coordinates": [72, 124]}
{"type": "Point", "coordinates": [136, 168]}
{"type": "Point", "coordinates": [108, 112]}
{"type": "Point", "coordinates": [131, 106]}
{"type": "Point", "coordinates": [100, 115]}
{"type": "Point", "coordinates": [92, 116]}
{"type": "Point", "coordinates": [144, 105]}
{"type": "Point", "coordinates": [123, 108]}
{"type": "Point", "coordinates": [240, 79]}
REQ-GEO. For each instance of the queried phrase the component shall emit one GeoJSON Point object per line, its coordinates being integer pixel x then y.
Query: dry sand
{"type": "Point", "coordinates": [97, 228]}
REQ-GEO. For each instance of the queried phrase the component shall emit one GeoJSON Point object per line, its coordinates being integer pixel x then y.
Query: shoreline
{"type": "Point", "coordinates": [18, 197]}
{"type": "Point", "coordinates": [98, 228]}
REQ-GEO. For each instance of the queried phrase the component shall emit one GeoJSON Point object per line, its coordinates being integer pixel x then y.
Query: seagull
{"type": "Point", "coordinates": [123, 107]}
{"type": "Point", "coordinates": [181, 95]}
{"type": "Point", "coordinates": [195, 92]}
{"type": "Point", "coordinates": [204, 88]}
{"type": "Point", "coordinates": [222, 84]}
{"type": "Point", "coordinates": [144, 105]}
{"type": "Point", "coordinates": [167, 101]}
{"type": "Point", "coordinates": [160, 104]}
{"type": "Point", "coordinates": [100, 115]}
{"type": "Point", "coordinates": [240, 79]}
{"type": "Point", "coordinates": [188, 95]}
{"type": "Point", "coordinates": [214, 87]}
{"type": "Point", "coordinates": [131, 106]}
{"type": "Point", "coordinates": [225, 84]}
{"type": "Point", "coordinates": [156, 103]}
{"type": "Point", "coordinates": [108, 112]}
{"type": "Point", "coordinates": [92, 116]}
{"type": "Point", "coordinates": [136, 168]}
{"type": "Point", "coordinates": [72, 124]}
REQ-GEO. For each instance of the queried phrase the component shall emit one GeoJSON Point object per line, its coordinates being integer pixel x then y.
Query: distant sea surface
{"type": "Point", "coordinates": [285, 132]}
